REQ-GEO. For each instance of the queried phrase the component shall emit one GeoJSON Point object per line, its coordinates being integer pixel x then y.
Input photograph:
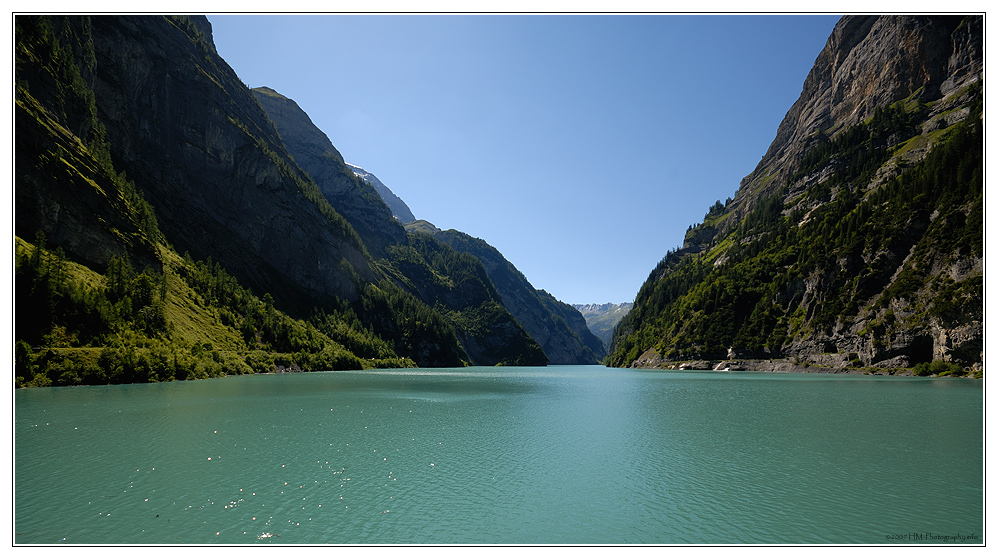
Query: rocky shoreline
{"type": "Point", "coordinates": [651, 360]}
{"type": "Point", "coordinates": [776, 365]}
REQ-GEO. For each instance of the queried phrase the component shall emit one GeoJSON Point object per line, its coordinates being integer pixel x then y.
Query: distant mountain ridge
{"type": "Point", "coordinates": [399, 208]}
{"type": "Point", "coordinates": [601, 318]}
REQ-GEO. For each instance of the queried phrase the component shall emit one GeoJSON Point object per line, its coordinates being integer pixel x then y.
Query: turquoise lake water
{"type": "Point", "coordinates": [566, 455]}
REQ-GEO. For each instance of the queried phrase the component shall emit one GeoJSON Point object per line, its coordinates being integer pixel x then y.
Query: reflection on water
{"type": "Point", "coordinates": [500, 455]}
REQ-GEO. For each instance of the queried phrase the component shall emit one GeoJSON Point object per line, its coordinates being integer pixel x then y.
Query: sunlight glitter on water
{"type": "Point", "coordinates": [549, 458]}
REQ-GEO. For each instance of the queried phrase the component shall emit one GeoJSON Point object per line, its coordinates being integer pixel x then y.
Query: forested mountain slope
{"type": "Point", "coordinates": [164, 231]}
{"type": "Point", "coordinates": [500, 305]}
{"type": "Point", "coordinates": [454, 285]}
{"type": "Point", "coordinates": [557, 327]}
{"type": "Point", "coordinates": [858, 239]}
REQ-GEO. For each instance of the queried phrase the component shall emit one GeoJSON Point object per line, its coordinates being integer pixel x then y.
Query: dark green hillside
{"type": "Point", "coordinates": [182, 320]}
{"type": "Point", "coordinates": [558, 328]}
{"type": "Point", "coordinates": [422, 226]}
{"type": "Point", "coordinates": [456, 285]}
{"type": "Point", "coordinates": [858, 269]}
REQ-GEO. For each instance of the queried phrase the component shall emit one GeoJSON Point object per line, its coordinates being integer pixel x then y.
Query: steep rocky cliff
{"type": "Point", "coordinates": [456, 286]}
{"type": "Point", "coordinates": [857, 240]}
{"type": "Point", "coordinates": [66, 185]}
{"type": "Point", "coordinates": [183, 127]}
{"type": "Point", "coordinates": [80, 205]}
{"type": "Point", "coordinates": [355, 199]}
{"type": "Point", "coordinates": [869, 63]}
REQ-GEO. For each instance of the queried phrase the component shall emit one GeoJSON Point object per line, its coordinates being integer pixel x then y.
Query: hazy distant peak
{"type": "Point", "coordinates": [601, 318]}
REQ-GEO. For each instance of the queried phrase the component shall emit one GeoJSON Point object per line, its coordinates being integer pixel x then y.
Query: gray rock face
{"type": "Point", "coordinates": [400, 211]}
{"type": "Point", "coordinates": [312, 150]}
{"type": "Point", "coordinates": [190, 134]}
{"type": "Point", "coordinates": [870, 62]}
{"type": "Point", "coordinates": [65, 202]}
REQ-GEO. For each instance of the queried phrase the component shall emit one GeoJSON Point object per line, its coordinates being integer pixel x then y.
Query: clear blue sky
{"type": "Point", "coordinates": [579, 146]}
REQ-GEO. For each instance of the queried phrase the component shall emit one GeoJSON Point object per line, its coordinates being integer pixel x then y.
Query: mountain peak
{"type": "Point", "coordinates": [264, 90]}
{"type": "Point", "coordinates": [422, 226]}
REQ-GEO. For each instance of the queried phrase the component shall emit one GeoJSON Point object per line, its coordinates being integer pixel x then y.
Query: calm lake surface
{"type": "Point", "coordinates": [562, 454]}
